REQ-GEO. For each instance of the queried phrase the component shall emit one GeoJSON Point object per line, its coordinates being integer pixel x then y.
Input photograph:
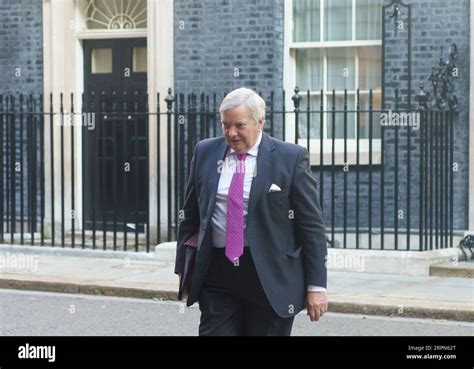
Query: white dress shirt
{"type": "Point", "coordinates": [219, 216]}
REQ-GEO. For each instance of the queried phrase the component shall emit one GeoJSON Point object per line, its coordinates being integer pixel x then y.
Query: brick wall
{"type": "Point", "coordinates": [221, 45]}
{"type": "Point", "coordinates": [21, 46]}
{"type": "Point", "coordinates": [21, 72]}
{"type": "Point", "coordinates": [213, 37]}
{"type": "Point", "coordinates": [435, 24]}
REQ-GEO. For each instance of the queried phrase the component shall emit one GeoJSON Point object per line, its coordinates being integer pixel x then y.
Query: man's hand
{"type": "Point", "coordinates": [316, 304]}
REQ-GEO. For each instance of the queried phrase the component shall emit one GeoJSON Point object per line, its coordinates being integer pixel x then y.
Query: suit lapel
{"type": "Point", "coordinates": [264, 160]}
{"type": "Point", "coordinates": [214, 174]}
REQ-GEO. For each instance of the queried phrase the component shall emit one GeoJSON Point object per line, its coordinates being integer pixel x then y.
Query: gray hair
{"type": "Point", "coordinates": [250, 99]}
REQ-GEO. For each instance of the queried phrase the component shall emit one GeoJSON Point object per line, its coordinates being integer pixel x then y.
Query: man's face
{"type": "Point", "coordinates": [239, 130]}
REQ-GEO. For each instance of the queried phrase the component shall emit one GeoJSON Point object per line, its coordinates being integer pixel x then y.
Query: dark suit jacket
{"type": "Point", "coordinates": [288, 248]}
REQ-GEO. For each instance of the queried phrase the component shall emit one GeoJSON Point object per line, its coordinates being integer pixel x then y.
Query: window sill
{"type": "Point", "coordinates": [339, 153]}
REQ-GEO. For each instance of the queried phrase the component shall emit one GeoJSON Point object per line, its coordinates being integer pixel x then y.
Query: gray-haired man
{"type": "Point", "coordinates": [261, 237]}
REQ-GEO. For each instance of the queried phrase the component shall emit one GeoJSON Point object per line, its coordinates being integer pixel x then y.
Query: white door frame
{"type": "Point", "coordinates": [64, 72]}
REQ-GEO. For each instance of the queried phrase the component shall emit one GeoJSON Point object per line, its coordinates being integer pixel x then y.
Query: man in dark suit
{"type": "Point", "coordinates": [261, 242]}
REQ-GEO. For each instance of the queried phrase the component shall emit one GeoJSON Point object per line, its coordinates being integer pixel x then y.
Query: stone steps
{"type": "Point", "coordinates": [463, 269]}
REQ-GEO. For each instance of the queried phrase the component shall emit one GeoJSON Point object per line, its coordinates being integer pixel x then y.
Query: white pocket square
{"type": "Point", "coordinates": [274, 188]}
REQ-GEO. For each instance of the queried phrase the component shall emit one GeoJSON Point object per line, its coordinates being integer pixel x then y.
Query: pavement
{"type": "Point", "coordinates": [140, 275]}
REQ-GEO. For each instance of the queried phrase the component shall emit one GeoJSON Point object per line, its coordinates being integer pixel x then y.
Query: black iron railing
{"type": "Point", "coordinates": [84, 177]}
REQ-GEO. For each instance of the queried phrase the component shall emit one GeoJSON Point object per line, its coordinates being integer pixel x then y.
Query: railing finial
{"type": "Point", "coordinates": [169, 100]}
{"type": "Point", "coordinates": [296, 99]}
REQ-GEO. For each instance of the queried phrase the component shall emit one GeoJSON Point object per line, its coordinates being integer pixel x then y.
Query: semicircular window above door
{"type": "Point", "coordinates": [115, 14]}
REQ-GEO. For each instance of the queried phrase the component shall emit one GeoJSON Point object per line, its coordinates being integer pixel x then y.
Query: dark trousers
{"type": "Point", "coordinates": [233, 303]}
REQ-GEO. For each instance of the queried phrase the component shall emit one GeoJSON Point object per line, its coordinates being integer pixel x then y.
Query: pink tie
{"type": "Point", "coordinates": [235, 212]}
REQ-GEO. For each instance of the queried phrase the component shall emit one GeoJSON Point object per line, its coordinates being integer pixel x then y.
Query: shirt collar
{"type": "Point", "coordinates": [254, 149]}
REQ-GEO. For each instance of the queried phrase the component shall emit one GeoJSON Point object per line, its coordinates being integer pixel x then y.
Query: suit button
{"type": "Point", "coordinates": [204, 227]}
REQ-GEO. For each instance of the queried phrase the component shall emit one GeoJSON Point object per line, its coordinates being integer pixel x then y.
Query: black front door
{"type": "Point", "coordinates": [115, 135]}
